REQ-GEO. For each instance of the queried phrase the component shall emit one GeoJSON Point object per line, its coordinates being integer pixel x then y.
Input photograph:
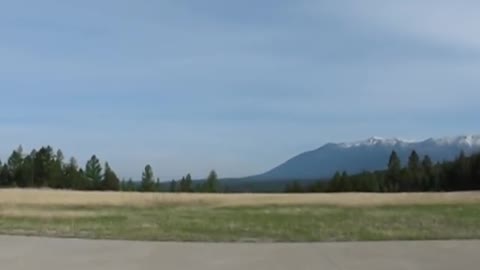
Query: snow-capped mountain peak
{"type": "Point", "coordinates": [469, 140]}
{"type": "Point", "coordinates": [375, 140]}
{"type": "Point", "coordinates": [368, 155]}
{"type": "Point", "coordinates": [466, 140]}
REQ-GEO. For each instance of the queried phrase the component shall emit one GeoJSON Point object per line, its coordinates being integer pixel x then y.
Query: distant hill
{"type": "Point", "coordinates": [370, 154]}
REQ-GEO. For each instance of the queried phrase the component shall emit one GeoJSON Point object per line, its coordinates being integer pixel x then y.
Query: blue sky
{"type": "Point", "coordinates": [236, 86]}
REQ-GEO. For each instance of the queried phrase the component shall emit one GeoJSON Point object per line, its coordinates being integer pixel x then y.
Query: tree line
{"type": "Point", "coordinates": [47, 168]}
{"type": "Point", "coordinates": [418, 175]}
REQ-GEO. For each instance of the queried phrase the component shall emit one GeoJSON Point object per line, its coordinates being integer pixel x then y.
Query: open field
{"type": "Point", "coordinates": [79, 198]}
{"type": "Point", "coordinates": [241, 217]}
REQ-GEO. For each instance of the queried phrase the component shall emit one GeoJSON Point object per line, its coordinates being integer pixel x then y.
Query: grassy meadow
{"type": "Point", "coordinates": [240, 217]}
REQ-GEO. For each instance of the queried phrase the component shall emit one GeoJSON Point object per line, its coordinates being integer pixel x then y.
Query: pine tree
{"type": "Point", "coordinates": [183, 187]}
{"type": "Point", "coordinates": [130, 185]}
{"type": "Point", "coordinates": [173, 186]}
{"type": "Point", "coordinates": [476, 172]}
{"type": "Point", "coordinates": [148, 183]}
{"type": "Point", "coordinates": [56, 168]}
{"type": "Point", "coordinates": [374, 183]}
{"type": "Point", "coordinates": [59, 156]}
{"type": "Point", "coordinates": [346, 186]}
{"type": "Point", "coordinates": [336, 183]}
{"type": "Point", "coordinates": [15, 162]}
{"type": "Point", "coordinates": [188, 183]}
{"type": "Point", "coordinates": [72, 176]}
{"type": "Point", "coordinates": [393, 174]}
{"type": "Point", "coordinates": [5, 178]}
{"type": "Point", "coordinates": [185, 184]}
{"type": "Point", "coordinates": [93, 171]}
{"type": "Point", "coordinates": [414, 161]}
{"type": "Point", "coordinates": [110, 179]}
{"type": "Point", "coordinates": [464, 173]}
{"type": "Point", "coordinates": [413, 181]}
{"type": "Point", "coordinates": [428, 183]}
{"type": "Point", "coordinates": [43, 164]}
{"type": "Point", "coordinates": [25, 176]}
{"type": "Point", "coordinates": [211, 185]}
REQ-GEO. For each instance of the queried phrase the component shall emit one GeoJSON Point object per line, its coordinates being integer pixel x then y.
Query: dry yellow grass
{"type": "Point", "coordinates": [30, 197]}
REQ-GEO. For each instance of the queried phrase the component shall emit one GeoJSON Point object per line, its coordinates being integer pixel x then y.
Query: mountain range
{"type": "Point", "coordinates": [366, 155]}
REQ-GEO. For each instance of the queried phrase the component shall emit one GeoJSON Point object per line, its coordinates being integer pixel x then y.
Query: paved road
{"type": "Point", "coordinates": [25, 253]}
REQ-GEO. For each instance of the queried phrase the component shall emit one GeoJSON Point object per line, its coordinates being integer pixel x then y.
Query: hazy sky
{"type": "Point", "coordinates": [239, 86]}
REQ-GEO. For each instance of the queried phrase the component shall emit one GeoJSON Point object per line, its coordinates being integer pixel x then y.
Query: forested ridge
{"type": "Point", "coordinates": [418, 175]}
{"type": "Point", "coordinates": [47, 168]}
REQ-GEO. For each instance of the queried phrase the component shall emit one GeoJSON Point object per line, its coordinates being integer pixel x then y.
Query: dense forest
{"type": "Point", "coordinates": [47, 168]}
{"type": "Point", "coordinates": [418, 175]}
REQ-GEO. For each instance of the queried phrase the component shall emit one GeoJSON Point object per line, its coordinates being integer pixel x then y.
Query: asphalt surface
{"type": "Point", "coordinates": [28, 253]}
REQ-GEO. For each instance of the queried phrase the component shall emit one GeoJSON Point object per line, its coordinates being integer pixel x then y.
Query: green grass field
{"type": "Point", "coordinates": [235, 222]}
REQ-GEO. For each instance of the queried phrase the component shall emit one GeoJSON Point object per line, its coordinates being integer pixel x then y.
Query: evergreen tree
{"type": "Point", "coordinates": [59, 157]}
{"type": "Point", "coordinates": [72, 176]}
{"type": "Point", "coordinates": [43, 167]}
{"type": "Point", "coordinates": [346, 186]}
{"type": "Point", "coordinates": [57, 172]}
{"type": "Point", "coordinates": [183, 187]}
{"type": "Point", "coordinates": [173, 186]}
{"type": "Point", "coordinates": [211, 185]}
{"type": "Point", "coordinates": [393, 175]}
{"type": "Point", "coordinates": [5, 178]}
{"type": "Point", "coordinates": [476, 172]}
{"type": "Point", "coordinates": [93, 171]}
{"type": "Point", "coordinates": [15, 162]}
{"type": "Point", "coordinates": [428, 183]}
{"type": "Point", "coordinates": [83, 181]}
{"type": "Point", "coordinates": [110, 179]}
{"type": "Point", "coordinates": [188, 183]}
{"type": "Point", "coordinates": [158, 185]}
{"type": "Point", "coordinates": [412, 180]}
{"type": "Point", "coordinates": [148, 183]}
{"type": "Point", "coordinates": [463, 172]}
{"type": "Point", "coordinates": [374, 183]}
{"type": "Point", "coordinates": [414, 161]}
{"type": "Point", "coordinates": [130, 185]}
{"type": "Point", "coordinates": [25, 175]}
{"type": "Point", "coordinates": [335, 184]}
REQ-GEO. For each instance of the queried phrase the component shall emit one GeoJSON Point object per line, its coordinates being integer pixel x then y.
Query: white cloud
{"type": "Point", "coordinates": [454, 23]}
